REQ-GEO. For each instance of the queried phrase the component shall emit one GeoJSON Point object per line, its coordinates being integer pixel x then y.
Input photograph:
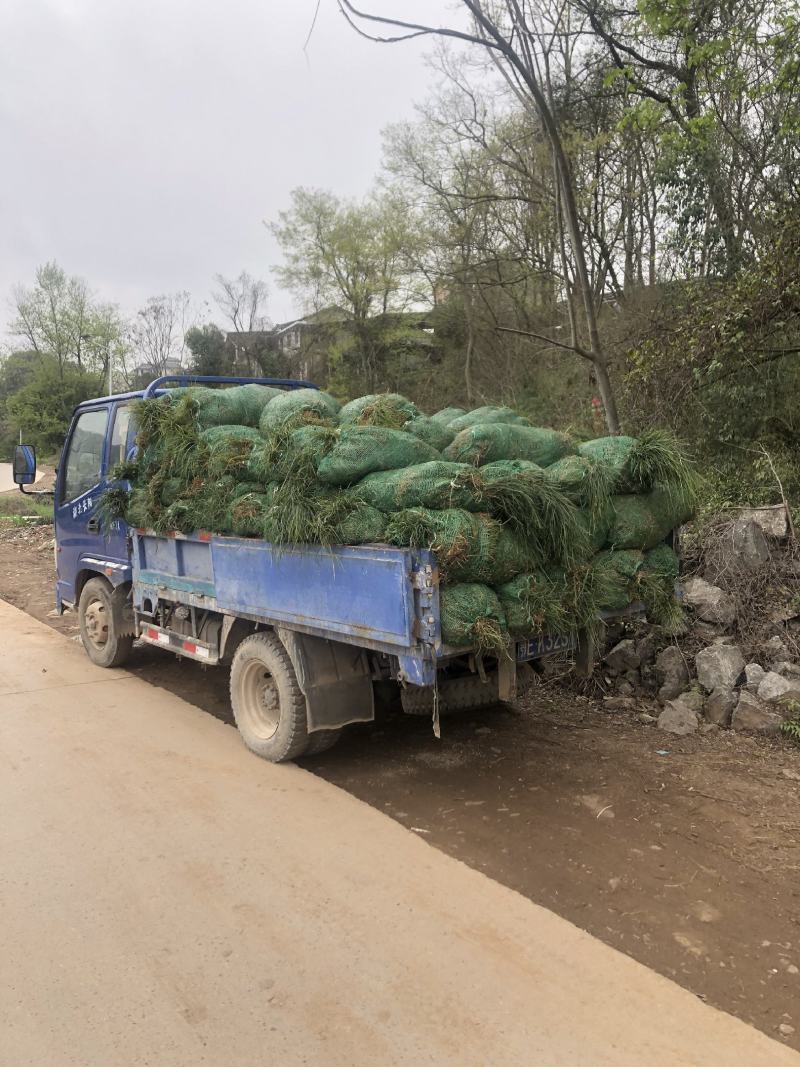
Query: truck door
{"type": "Point", "coordinates": [80, 536]}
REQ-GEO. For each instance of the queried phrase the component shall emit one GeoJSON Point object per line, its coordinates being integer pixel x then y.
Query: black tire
{"type": "Point", "coordinates": [268, 704]}
{"type": "Point", "coordinates": [455, 694]}
{"type": "Point", "coordinates": [104, 645]}
{"type": "Point", "coordinates": [320, 741]}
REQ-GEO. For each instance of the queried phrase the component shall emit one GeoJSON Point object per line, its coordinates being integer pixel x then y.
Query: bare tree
{"type": "Point", "coordinates": [159, 329]}
{"type": "Point", "coordinates": [243, 301]}
{"type": "Point", "coordinates": [509, 32]}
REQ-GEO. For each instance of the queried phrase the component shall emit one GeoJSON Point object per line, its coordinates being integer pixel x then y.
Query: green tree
{"type": "Point", "coordinates": [42, 408]}
{"type": "Point", "coordinates": [208, 352]}
{"type": "Point", "coordinates": [59, 317]}
{"type": "Point", "coordinates": [356, 257]}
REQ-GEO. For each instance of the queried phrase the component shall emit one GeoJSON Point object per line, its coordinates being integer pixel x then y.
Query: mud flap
{"type": "Point", "coordinates": [122, 608]}
{"type": "Point", "coordinates": [335, 678]}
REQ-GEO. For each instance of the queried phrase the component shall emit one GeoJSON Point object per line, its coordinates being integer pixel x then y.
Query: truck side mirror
{"type": "Point", "coordinates": [24, 464]}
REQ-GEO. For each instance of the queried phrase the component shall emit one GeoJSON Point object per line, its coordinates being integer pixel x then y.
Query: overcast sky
{"type": "Point", "coordinates": [144, 141]}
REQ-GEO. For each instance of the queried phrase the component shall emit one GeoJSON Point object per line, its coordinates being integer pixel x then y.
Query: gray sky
{"type": "Point", "coordinates": [143, 141]}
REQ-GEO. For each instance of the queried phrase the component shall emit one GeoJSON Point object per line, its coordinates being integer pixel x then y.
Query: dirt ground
{"type": "Point", "coordinates": [681, 852]}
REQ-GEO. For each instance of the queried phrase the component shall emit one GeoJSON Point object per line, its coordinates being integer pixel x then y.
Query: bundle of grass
{"type": "Point", "coordinates": [583, 480]}
{"type": "Point", "coordinates": [379, 409]}
{"type": "Point", "coordinates": [425, 485]}
{"type": "Point", "coordinates": [521, 493]}
{"type": "Point", "coordinates": [643, 521]}
{"type": "Point", "coordinates": [113, 506]}
{"type": "Point", "coordinates": [615, 573]}
{"type": "Point", "coordinates": [446, 415]}
{"type": "Point", "coordinates": [471, 615]}
{"type": "Point", "coordinates": [361, 525]}
{"type": "Point", "coordinates": [534, 604]}
{"type": "Point", "coordinates": [305, 513]}
{"type": "Point", "coordinates": [248, 514]}
{"type": "Point", "coordinates": [487, 442]}
{"type": "Point", "coordinates": [299, 407]}
{"type": "Point", "coordinates": [229, 448]}
{"type": "Point", "coordinates": [637, 465]}
{"type": "Point", "coordinates": [362, 450]}
{"type": "Point", "coordinates": [469, 547]}
{"type": "Point", "coordinates": [430, 431]}
{"type": "Point", "coordinates": [486, 415]}
{"type": "Point", "coordinates": [655, 587]}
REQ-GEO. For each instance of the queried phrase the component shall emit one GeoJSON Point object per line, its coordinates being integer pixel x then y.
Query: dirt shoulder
{"type": "Point", "coordinates": [682, 852]}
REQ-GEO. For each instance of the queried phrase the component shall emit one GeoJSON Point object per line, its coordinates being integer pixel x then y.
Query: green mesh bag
{"type": "Point", "coordinates": [596, 526]}
{"type": "Point", "coordinates": [642, 521]}
{"type": "Point", "coordinates": [489, 442]}
{"type": "Point", "coordinates": [519, 491]}
{"type": "Point", "coordinates": [471, 615]}
{"type": "Point", "coordinates": [292, 454]}
{"type": "Point", "coordinates": [250, 400]}
{"type": "Point", "coordinates": [463, 542]}
{"type": "Point", "coordinates": [244, 488]}
{"type": "Point", "coordinates": [229, 449]}
{"type": "Point", "coordinates": [305, 514]}
{"type": "Point", "coordinates": [586, 482]}
{"type": "Point", "coordinates": [247, 515]}
{"type": "Point", "coordinates": [656, 589]}
{"type": "Point", "coordinates": [430, 431]}
{"type": "Point", "coordinates": [663, 560]}
{"type": "Point", "coordinates": [427, 485]}
{"type": "Point", "coordinates": [637, 465]}
{"type": "Point", "coordinates": [297, 407]}
{"type": "Point", "coordinates": [379, 409]}
{"type": "Point", "coordinates": [469, 547]}
{"type": "Point", "coordinates": [446, 415]}
{"type": "Point", "coordinates": [616, 573]}
{"type": "Point", "coordinates": [136, 513]}
{"type": "Point", "coordinates": [534, 604]}
{"type": "Point", "coordinates": [361, 450]}
{"type": "Point", "coordinates": [485, 416]}
{"type": "Point", "coordinates": [363, 525]}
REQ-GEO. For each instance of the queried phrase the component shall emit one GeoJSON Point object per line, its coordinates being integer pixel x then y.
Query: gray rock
{"type": "Point", "coordinates": [720, 706]}
{"type": "Point", "coordinates": [693, 699]}
{"type": "Point", "coordinates": [649, 719]}
{"type": "Point", "coordinates": [623, 657]}
{"type": "Point", "coordinates": [673, 673]}
{"type": "Point", "coordinates": [708, 728]}
{"type": "Point", "coordinates": [749, 544]}
{"type": "Point", "coordinates": [787, 668]}
{"type": "Point", "coordinates": [754, 674]}
{"type": "Point", "coordinates": [677, 718]}
{"type": "Point", "coordinates": [772, 686]}
{"type": "Point", "coordinates": [772, 520]}
{"type": "Point", "coordinates": [775, 648]}
{"type": "Point", "coordinates": [625, 688]}
{"type": "Point", "coordinates": [709, 602]}
{"type": "Point", "coordinates": [719, 666]}
{"type": "Point", "coordinates": [646, 648]}
{"type": "Point", "coordinates": [754, 717]}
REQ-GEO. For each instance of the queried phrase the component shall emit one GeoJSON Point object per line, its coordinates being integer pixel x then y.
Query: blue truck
{"type": "Point", "coordinates": [307, 631]}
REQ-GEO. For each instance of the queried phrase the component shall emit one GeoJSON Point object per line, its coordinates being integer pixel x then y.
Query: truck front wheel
{"type": "Point", "coordinates": [104, 645]}
{"type": "Point", "coordinates": [267, 701]}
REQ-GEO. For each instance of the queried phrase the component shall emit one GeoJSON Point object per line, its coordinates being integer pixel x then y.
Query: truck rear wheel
{"type": "Point", "coordinates": [104, 645]}
{"type": "Point", "coordinates": [268, 704]}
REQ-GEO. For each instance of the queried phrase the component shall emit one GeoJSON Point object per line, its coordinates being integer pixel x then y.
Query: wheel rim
{"type": "Point", "coordinates": [259, 701]}
{"type": "Point", "coordinates": [96, 623]}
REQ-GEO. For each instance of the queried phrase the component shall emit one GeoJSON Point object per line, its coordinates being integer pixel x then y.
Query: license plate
{"type": "Point", "coordinates": [546, 645]}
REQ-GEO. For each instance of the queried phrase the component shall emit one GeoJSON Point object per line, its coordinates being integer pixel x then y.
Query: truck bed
{"type": "Point", "coordinates": [373, 596]}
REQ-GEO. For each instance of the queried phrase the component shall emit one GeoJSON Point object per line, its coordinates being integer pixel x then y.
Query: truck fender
{"type": "Point", "coordinates": [335, 678]}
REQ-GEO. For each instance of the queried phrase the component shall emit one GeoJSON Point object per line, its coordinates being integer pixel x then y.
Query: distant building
{"type": "Point", "coordinates": [295, 349]}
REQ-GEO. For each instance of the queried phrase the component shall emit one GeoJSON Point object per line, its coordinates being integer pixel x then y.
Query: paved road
{"type": "Point", "coordinates": [6, 479]}
{"type": "Point", "coordinates": [167, 898]}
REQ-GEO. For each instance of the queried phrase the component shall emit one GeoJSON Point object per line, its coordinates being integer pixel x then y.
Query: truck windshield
{"type": "Point", "coordinates": [85, 454]}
